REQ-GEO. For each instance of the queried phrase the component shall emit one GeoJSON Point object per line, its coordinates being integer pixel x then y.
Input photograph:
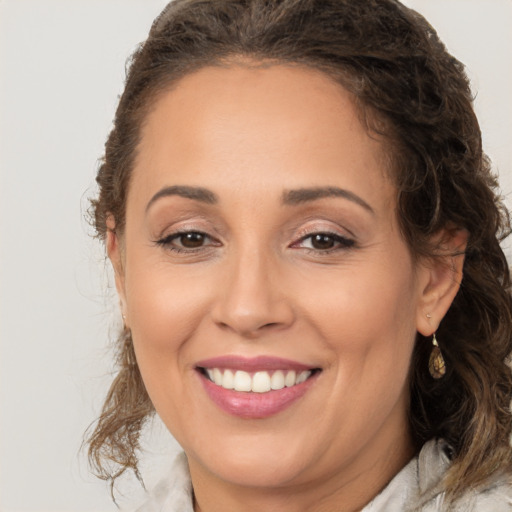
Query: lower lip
{"type": "Point", "coordinates": [249, 405]}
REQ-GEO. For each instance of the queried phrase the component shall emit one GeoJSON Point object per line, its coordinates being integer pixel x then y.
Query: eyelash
{"type": "Point", "coordinates": [168, 240]}
{"type": "Point", "coordinates": [342, 243]}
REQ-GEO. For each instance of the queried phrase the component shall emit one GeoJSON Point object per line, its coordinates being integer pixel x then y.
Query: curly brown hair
{"type": "Point", "coordinates": [415, 94]}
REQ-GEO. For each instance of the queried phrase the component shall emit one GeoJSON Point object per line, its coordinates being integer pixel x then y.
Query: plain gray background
{"type": "Point", "coordinates": [61, 69]}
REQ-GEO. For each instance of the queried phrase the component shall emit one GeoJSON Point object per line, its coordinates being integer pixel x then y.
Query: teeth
{"type": "Point", "coordinates": [242, 381]}
{"type": "Point", "coordinates": [228, 380]}
{"type": "Point", "coordinates": [277, 380]}
{"type": "Point", "coordinates": [217, 376]}
{"type": "Point", "coordinates": [302, 377]}
{"type": "Point", "coordinates": [259, 382]}
{"type": "Point", "coordinates": [290, 378]}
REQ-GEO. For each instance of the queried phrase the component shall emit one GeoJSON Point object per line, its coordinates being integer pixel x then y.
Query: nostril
{"type": "Point", "coordinates": [249, 329]}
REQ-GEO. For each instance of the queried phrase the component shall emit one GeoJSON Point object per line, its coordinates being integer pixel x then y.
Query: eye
{"type": "Point", "coordinates": [324, 242]}
{"type": "Point", "coordinates": [187, 241]}
{"type": "Point", "coordinates": [191, 240]}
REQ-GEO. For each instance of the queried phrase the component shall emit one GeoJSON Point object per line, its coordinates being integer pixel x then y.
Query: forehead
{"type": "Point", "coordinates": [245, 125]}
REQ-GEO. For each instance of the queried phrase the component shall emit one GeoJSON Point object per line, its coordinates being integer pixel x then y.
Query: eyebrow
{"type": "Point", "coordinates": [304, 195]}
{"type": "Point", "coordinates": [289, 197]}
{"type": "Point", "coordinates": [195, 193]}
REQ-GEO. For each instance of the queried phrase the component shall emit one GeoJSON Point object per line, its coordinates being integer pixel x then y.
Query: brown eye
{"type": "Point", "coordinates": [322, 241]}
{"type": "Point", "coordinates": [325, 242]}
{"type": "Point", "coordinates": [187, 241]}
{"type": "Point", "coordinates": [192, 240]}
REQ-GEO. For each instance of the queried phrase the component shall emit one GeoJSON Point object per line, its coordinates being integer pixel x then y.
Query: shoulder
{"type": "Point", "coordinates": [433, 462]}
{"type": "Point", "coordinates": [173, 493]}
{"type": "Point", "coordinates": [418, 487]}
{"type": "Point", "coordinates": [496, 496]}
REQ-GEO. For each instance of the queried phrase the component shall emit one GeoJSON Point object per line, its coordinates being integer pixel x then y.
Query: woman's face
{"type": "Point", "coordinates": [261, 238]}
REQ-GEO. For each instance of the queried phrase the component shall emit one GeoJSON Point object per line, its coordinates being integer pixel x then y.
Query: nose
{"type": "Point", "coordinates": [252, 297]}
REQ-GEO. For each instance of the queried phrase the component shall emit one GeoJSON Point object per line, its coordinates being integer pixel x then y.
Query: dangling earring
{"type": "Point", "coordinates": [436, 364]}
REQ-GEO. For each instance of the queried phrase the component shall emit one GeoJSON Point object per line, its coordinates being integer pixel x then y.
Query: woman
{"type": "Point", "coordinates": [296, 205]}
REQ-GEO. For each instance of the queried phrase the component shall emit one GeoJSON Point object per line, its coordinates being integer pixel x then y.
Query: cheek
{"type": "Point", "coordinates": [164, 305]}
{"type": "Point", "coordinates": [368, 319]}
{"type": "Point", "coordinates": [369, 334]}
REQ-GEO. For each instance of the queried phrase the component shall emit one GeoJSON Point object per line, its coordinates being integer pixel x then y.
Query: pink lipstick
{"type": "Point", "coordinates": [255, 388]}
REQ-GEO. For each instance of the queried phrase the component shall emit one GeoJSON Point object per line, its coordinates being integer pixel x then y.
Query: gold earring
{"type": "Point", "coordinates": [436, 364]}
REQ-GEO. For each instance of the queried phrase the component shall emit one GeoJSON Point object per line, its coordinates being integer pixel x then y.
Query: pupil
{"type": "Point", "coordinates": [322, 242]}
{"type": "Point", "coordinates": [192, 240]}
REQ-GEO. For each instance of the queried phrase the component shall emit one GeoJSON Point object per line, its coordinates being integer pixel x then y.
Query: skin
{"type": "Point", "coordinates": [257, 286]}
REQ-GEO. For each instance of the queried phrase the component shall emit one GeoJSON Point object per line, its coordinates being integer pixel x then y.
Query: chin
{"type": "Point", "coordinates": [270, 456]}
{"type": "Point", "coordinates": [257, 468]}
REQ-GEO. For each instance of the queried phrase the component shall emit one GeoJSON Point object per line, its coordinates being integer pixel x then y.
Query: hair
{"type": "Point", "coordinates": [417, 96]}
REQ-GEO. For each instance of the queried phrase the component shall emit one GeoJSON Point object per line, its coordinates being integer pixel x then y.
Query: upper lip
{"type": "Point", "coordinates": [253, 364]}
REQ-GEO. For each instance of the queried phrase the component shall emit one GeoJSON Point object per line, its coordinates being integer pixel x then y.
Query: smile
{"type": "Point", "coordinates": [255, 388]}
{"type": "Point", "coordinates": [258, 382]}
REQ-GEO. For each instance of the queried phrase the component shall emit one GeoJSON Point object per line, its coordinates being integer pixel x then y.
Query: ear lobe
{"type": "Point", "coordinates": [114, 252]}
{"type": "Point", "coordinates": [440, 280]}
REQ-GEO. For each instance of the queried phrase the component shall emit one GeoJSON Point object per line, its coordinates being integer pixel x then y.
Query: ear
{"type": "Point", "coordinates": [115, 255]}
{"type": "Point", "coordinates": [440, 279]}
